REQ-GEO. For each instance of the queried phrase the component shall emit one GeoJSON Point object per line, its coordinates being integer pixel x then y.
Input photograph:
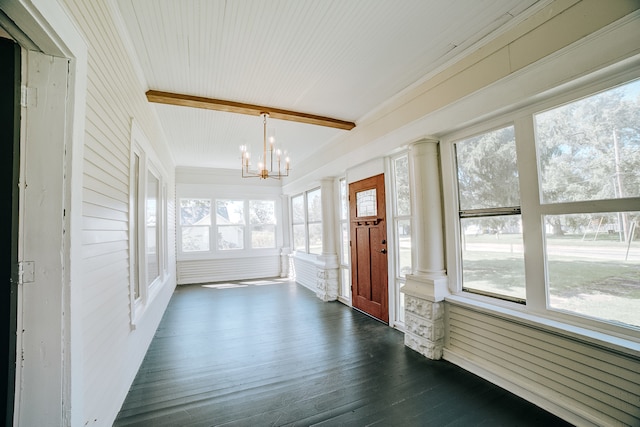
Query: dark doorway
{"type": "Point", "coordinates": [9, 170]}
{"type": "Point", "coordinates": [369, 287]}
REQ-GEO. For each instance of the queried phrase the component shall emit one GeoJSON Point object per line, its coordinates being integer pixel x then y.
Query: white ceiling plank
{"type": "Point", "coordinates": [329, 58]}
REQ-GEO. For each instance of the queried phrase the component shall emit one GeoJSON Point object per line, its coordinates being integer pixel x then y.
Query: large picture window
{"type": "Point", "coordinates": [558, 192]}
{"type": "Point", "coordinates": [235, 225]}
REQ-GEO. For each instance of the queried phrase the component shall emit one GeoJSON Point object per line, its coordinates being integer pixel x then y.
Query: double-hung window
{"type": "Point", "coordinates": [209, 225]}
{"type": "Point", "coordinates": [549, 208]}
{"type": "Point", "coordinates": [147, 224]}
{"type": "Point", "coordinates": [306, 219]}
{"type": "Point", "coordinates": [588, 155]}
{"type": "Point", "coordinates": [195, 222]}
{"type": "Point", "coordinates": [489, 211]}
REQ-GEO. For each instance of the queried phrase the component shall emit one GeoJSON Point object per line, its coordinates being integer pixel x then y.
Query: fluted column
{"type": "Point", "coordinates": [426, 287]}
{"type": "Point", "coordinates": [327, 265]}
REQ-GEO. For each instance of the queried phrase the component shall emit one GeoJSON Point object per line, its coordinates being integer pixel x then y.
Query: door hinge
{"type": "Point", "coordinates": [28, 96]}
{"type": "Point", "coordinates": [26, 272]}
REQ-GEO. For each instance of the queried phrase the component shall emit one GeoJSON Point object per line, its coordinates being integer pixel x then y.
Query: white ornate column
{"type": "Point", "coordinates": [426, 287]}
{"type": "Point", "coordinates": [327, 266]}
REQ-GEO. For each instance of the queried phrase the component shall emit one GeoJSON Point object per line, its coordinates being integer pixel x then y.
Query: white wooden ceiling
{"type": "Point", "coordinates": [334, 58]}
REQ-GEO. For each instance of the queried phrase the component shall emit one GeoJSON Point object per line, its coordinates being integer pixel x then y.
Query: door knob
{"type": "Point", "coordinates": [384, 251]}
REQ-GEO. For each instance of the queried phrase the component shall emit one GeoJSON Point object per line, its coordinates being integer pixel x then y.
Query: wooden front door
{"type": "Point", "coordinates": [369, 287]}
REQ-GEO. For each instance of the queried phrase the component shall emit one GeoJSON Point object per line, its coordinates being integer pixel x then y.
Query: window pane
{"type": "Point", "coordinates": [263, 236]}
{"type": "Point", "coordinates": [366, 203]}
{"type": "Point", "coordinates": [590, 149]}
{"type": "Point", "coordinates": [229, 212]}
{"type": "Point", "coordinates": [344, 203]}
{"type": "Point", "coordinates": [403, 199]}
{"type": "Point", "coordinates": [315, 239]}
{"type": "Point", "coordinates": [492, 256]}
{"type": "Point", "coordinates": [262, 212]}
{"type": "Point", "coordinates": [230, 237]}
{"type": "Point", "coordinates": [404, 247]}
{"type": "Point", "coordinates": [195, 239]}
{"type": "Point", "coordinates": [345, 289]}
{"type": "Point", "coordinates": [195, 212]}
{"type": "Point", "coordinates": [592, 268]}
{"type": "Point", "coordinates": [314, 206]}
{"type": "Point", "coordinates": [487, 170]}
{"type": "Point", "coordinates": [299, 238]}
{"type": "Point", "coordinates": [151, 218]}
{"type": "Point", "coordinates": [135, 227]}
{"type": "Point", "coordinates": [297, 209]}
{"type": "Point", "coordinates": [345, 243]}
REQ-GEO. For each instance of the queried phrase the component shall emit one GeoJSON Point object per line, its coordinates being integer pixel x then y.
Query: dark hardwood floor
{"type": "Point", "coordinates": [272, 354]}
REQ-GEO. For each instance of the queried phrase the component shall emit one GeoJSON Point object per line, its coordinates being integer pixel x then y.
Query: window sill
{"type": "Point", "coordinates": [625, 346]}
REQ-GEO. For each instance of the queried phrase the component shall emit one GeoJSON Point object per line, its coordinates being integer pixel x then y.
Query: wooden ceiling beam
{"type": "Point", "coordinates": [241, 108]}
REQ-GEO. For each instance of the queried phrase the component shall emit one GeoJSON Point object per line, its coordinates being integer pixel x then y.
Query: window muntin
{"type": "Point", "coordinates": [195, 219]}
{"type": "Point", "coordinates": [589, 149]}
{"type": "Point", "coordinates": [489, 207]}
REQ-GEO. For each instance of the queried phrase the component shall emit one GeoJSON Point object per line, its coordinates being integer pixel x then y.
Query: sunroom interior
{"type": "Point", "coordinates": [503, 226]}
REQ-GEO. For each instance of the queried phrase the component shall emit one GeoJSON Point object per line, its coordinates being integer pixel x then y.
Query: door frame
{"type": "Point", "coordinates": [386, 313]}
{"type": "Point", "coordinates": [43, 25]}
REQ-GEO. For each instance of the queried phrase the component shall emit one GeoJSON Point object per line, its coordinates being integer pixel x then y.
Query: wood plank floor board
{"type": "Point", "coordinates": [272, 354]}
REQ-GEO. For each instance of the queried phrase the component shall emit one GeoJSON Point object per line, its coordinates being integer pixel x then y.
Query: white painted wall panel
{"type": "Point", "coordinates": [577, 380]}
{"type": "Point", "coordinates": [305, 270]}
{"type": "Point", "coordinates": [216, 270]}
{"type": "Point", "coordinates": [111, 349]}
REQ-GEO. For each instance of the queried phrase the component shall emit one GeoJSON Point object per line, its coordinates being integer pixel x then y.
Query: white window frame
{"type": "Point", "coordinates": [213, 251]}
{"type": "Point", "coordinates": [533, 210]}
{"type": "Point", "coordinates": [138, 271]}
{"type": "Point", "coordinates": [308, 221]}
{"type": "Point", "coordinates": [399, 280]}
{"type": "Point", "coordinates": [344, 267]}
{"type": "Point", "coordinates": [303, 223]}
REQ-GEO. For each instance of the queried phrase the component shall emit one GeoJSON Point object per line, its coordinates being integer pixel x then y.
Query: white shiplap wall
{"type": "Point", "coordinates": [305, 270]}
{"type": "Point", "coordinates": [216, 270]}
{"type": "Point", "coordinates": [112, 350]}
{"type": "Point", "coordinates": [581, 382]}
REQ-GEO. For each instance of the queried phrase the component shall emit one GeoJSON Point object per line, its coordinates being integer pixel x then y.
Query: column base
{"type": "Point", "coordinates": [424, 315]}
{"type": "Point", "coordinates": [327, 278]}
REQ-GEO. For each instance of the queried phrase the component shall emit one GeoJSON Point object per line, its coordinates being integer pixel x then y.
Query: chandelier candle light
{"type": "Point", "coordinates": [262, 172]}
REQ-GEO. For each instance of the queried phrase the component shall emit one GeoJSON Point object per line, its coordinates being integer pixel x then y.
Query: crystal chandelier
{"type": "Point", "coordinates": [270, 156]}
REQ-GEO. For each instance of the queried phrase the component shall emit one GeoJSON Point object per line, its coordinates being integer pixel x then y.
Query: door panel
{"type": "Point", "coordinates": [369, 247]}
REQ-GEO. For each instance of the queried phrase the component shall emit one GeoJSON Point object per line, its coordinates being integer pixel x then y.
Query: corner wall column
{"type": "Point", "coordinates": [327, 264]}
{"type": "Point", "coordinates": [426, 287]}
